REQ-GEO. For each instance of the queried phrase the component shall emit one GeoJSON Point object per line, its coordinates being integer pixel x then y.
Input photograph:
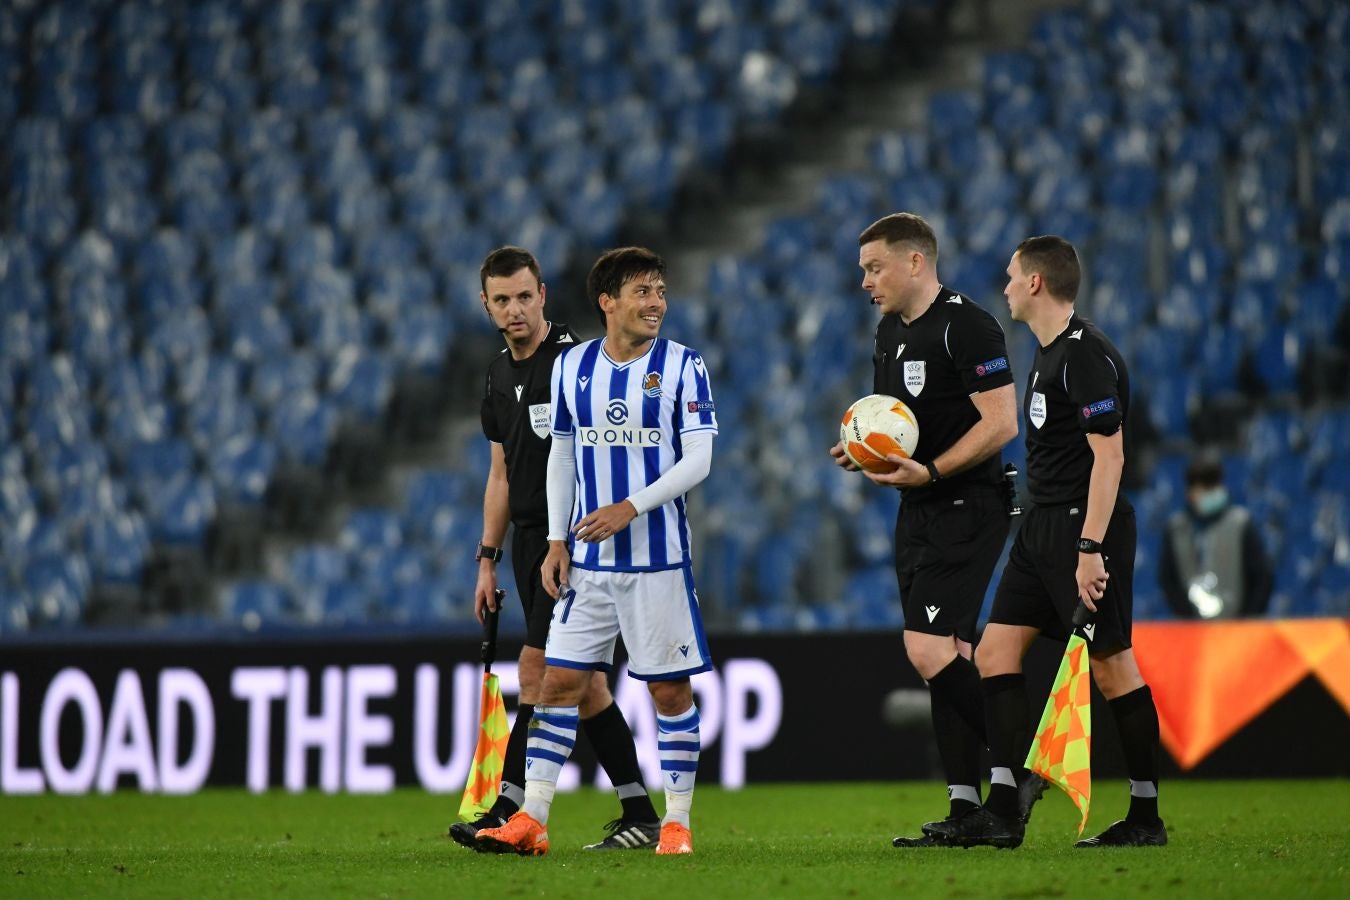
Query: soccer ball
{"type": "Point", "coordinates": [875, 426]}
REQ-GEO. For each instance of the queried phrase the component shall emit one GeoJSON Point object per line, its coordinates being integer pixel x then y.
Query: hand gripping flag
{"type": "Point", "coordinates": [485, 776]}
{"type": "Point", "coordinates": [1061, 752]}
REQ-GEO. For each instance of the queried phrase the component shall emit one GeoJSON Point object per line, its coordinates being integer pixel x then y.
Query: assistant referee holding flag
{"type": "Point", "coordinates": [946, 358]}
{"type": "Point", "coordinates": [516, 419]}
{"type": "Point", "coordinates": [1076, 544]}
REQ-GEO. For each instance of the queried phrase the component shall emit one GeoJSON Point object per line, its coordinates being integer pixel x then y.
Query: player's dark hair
{"type": "Point", "coordinates": [617, 267]}
{"type": "Point", "coordinates": [1205, 469]}
{"type": "Point", "coordinates": [906, 229]}
{"type": "Point", "coordinates": [507, 261]}
{"type": "Point", "coordinates": [1055, 260]}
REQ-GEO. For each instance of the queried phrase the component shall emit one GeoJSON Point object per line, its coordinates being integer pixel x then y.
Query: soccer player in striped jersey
{"type": "Point", "coordinates": [633, 425]}
{"type": "Point", "coordinates": [517, 423]}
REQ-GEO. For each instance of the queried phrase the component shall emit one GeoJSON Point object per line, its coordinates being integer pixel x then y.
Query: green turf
{"type": "Point", "coordinates": [1229, 839]}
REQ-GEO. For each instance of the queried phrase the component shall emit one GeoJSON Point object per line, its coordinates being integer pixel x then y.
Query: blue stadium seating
{"type": "Point", "coordinates": [230, 230]}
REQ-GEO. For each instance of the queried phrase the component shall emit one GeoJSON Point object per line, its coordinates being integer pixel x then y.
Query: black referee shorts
{"type": "Point", "coordinates": [945, 553]}
{"type": "Point", "coordinates": [529, 546]}
{"type": "Point", "coordinates": [1039, 587]}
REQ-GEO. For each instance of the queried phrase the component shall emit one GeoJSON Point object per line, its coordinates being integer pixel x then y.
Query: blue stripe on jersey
{"type": "Point", "coordinates": [677, 420]}
{"type": "Point", "coordinates": [682, 523]}
{"type": "Point", "coordinates": [562, 416]}
{"type": "Point", "coordinates": [585, 369]}
{"type": "Point", "coordinates": [618, 471]}
{"type": "Point", "coordinates": [586, 472]}
{"type": "Point", "coordinates": [702, 392]}
{"type": "Point", "coordinates": [651, 461]}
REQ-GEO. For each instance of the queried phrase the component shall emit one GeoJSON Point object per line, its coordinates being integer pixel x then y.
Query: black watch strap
{"type": "Point", "coordinates": [932, 472]}
{"type": "Point", "coordinates": [1086, 545]}
{"type": "Point", "coordinates": [486, 552]}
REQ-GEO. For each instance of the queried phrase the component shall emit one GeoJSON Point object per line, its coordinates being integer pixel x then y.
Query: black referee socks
{"type": "Point", "coordinates": [1137, 722]}
{"type": "Point", "coordinates": [513, 766]}
{"type": "Point", "coordinates": [1006, 714]}
{"type": "Point", "coordinates": [612, 739]}
{"type": "Point", "coordinates": [958, 684]}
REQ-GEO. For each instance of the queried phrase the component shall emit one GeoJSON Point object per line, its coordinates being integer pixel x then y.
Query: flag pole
{"type": "Point", "coordinates": [485, 773]}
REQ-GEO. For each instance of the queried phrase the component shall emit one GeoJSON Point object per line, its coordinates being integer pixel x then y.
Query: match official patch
{"type": "Point", "coordinates": [994, 365]}
{"type": "Point", "coordinates": [700, 406]}
{"type": "Point", "coordinates": [1101, 406]}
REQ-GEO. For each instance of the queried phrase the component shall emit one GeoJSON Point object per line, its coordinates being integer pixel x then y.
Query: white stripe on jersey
{"type": "Point", "coordinates": [626, 422]}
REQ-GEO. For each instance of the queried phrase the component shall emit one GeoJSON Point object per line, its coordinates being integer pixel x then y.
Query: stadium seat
{"type": "Point", "coordinates": [244, 229]}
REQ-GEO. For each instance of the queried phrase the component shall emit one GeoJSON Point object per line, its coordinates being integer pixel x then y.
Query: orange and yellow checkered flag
{"type": "Point", "coordinates": [485, 776]}
{"type": "Point", "coordinates": [1061, 752]}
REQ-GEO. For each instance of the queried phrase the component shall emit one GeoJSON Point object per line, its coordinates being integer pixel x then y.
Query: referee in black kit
{"type": "Point", "coordinates": [946, 358]}
{"type": "Point", "coordinates": [516, 420]}
{"type": "Point", "coordinates": [1077, 543]}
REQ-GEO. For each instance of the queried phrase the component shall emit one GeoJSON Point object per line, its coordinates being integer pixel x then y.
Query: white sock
{"type": "Point", "coordinates": [678, 742]}
{"type": "Point", "coordinates": [553, 734]}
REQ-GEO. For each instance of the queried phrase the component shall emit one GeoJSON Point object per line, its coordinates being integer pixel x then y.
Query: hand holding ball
{"type": "Point", "coordinates": [875, 427]}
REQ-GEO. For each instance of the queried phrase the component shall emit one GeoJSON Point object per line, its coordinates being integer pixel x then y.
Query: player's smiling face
{"type": "Point", "coordinates": [634, 317]}
{"type": "Point", "coordinates": [886, 275]}
{"type": "Point", "coordinates": [515, 303]}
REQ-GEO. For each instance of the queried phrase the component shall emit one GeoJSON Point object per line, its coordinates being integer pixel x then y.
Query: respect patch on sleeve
{"type": "Point", "coordinates": [1100, 407]}
{"type": "Point", "coordinates": [994, 365]}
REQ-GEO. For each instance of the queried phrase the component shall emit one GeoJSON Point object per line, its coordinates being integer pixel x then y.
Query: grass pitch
{"type": "Point", "coordinates": [1228, 839]}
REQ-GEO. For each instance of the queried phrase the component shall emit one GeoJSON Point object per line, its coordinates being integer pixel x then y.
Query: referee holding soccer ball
{"type": "Point", "coordinates": [946, 358]}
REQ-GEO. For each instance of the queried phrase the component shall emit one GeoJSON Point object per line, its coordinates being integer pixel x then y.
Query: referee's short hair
{"type": "Point", "coordinates": [507, 261]}
{"type": "Point", "coordinates": [906, 229]}
{"type": "Point", "coordinates": [617, 267]}
{"type": "Point", "coordinates": [1055, 260]}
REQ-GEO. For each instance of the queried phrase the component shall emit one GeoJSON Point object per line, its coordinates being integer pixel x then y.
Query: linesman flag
{"type": "Point", "coordinates": [1061, 752]}
{"type": "Point", "coordinates": [485, 775]}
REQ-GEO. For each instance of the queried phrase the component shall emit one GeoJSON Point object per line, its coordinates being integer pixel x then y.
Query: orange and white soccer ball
{"type": "Point", "coordinates": [876, 426]}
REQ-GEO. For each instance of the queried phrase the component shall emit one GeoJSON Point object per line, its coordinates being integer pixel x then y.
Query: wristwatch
{"type": "Point", "coordinates": [1086, 545]}
{"type": "Point", "coordinates": [933, 473]}
{"type": "Point", "coordinates": [492, 553]}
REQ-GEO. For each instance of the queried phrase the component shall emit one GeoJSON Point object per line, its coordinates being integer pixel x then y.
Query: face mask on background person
{"type": "Point", "coordinates": [1211, 502]}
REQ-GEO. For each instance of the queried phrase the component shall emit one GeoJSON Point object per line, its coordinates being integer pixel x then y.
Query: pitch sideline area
{"type": "Point", "coordinates": [1252, 838]}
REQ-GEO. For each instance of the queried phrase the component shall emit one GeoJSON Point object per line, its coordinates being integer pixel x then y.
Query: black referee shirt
{"type": "Point", "coordinates": [934, 364]}
{"type": "Point", "coordinates": [515, 414]}
{"type": "Point", "coordinates": [1078, 386]}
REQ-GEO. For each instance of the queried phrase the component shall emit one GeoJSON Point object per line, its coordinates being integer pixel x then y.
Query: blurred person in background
{"type": "Point", "coordinates": [1214, 564]}
{"type": "Point", "coordinates": [516, 416]}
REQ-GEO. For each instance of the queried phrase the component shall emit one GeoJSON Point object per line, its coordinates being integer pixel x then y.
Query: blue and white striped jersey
{"type": "Point", "coordinates": [626, 421]}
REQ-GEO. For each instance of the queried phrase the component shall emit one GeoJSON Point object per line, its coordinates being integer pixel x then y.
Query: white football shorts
{"type": "Point", "coordinates": [656, 612]}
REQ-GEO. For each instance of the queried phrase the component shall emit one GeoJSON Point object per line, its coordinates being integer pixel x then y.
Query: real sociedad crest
{"type": "Point", "coordinates": [651, 385]}
{"type": "Point", "coordinates": [915, 373]}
